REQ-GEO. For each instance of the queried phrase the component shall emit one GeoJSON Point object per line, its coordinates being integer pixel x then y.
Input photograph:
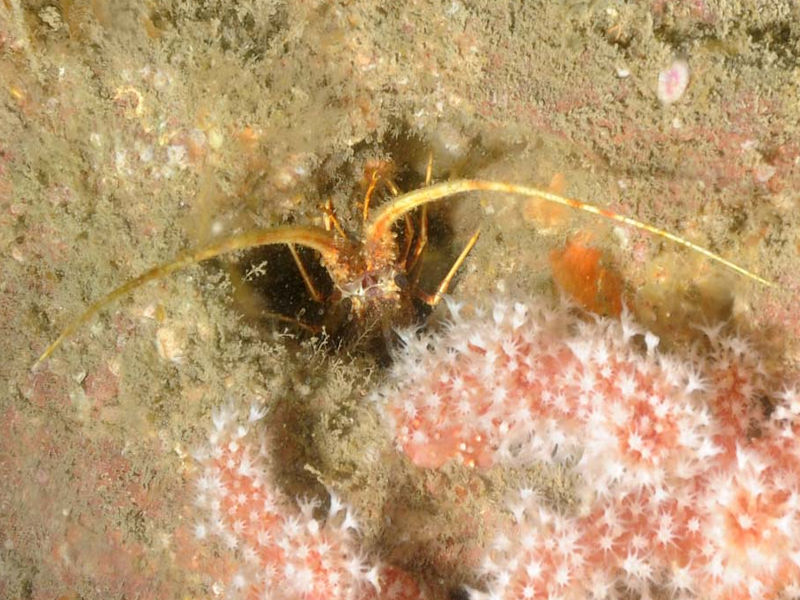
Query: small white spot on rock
{"type": "Point", "coordinates": [169, 344]}
{"type": "Point", "coordinates": [764, 172]}
{"type": "Point", "coordinates": [215, 138]}
{"type": "Point", "coordinates": [177, 156]}
{"type": "Point", "coordinates": [672, 82]}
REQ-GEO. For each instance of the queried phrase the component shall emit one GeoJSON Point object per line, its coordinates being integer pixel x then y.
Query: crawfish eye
{"type": "Point", "coordinates": [401, 281]}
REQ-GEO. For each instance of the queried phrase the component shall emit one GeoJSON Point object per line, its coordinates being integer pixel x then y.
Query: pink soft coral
{"type": "Point", "coordinates": [287, 550]}
{"type": "Point", "coordinates": [685, 484]}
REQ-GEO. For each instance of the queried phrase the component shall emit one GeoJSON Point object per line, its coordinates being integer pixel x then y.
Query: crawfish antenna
{"type": "Point", "coordinates": [384, 219]}
{"type": "Point", "coordinates": [318, 239]}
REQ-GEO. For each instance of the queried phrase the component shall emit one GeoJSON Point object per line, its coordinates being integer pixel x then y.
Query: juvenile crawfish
{"type": "Point", "coordinates": [371, 274]}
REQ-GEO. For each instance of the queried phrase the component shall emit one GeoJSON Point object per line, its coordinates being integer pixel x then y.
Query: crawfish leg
{"type": "Point", "coordinates": [434, 299]}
